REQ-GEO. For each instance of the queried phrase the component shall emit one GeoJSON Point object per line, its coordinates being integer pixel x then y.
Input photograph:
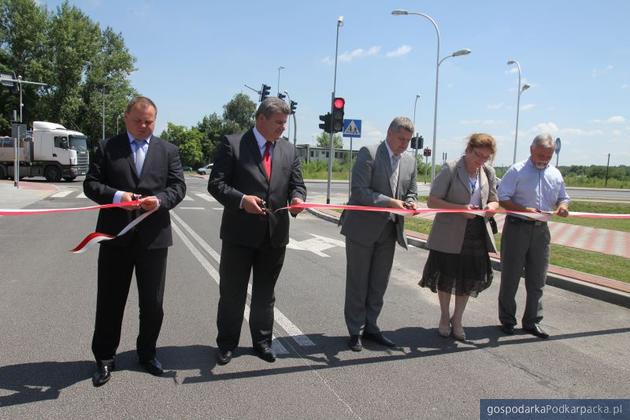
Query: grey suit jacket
{"type": "Point", "coordinates": [447, 232]}
{"type": "Point", "coordinates": [370, 187]}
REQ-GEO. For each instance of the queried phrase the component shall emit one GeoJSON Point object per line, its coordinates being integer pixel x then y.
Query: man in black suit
{"type": "Point", "coordinates": [133, 166]}
{"type": "Point", "coordinates": [253, 175]}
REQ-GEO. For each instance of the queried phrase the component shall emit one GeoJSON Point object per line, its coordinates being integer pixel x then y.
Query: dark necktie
{"type": "Point", "coordinates": [267, 159]}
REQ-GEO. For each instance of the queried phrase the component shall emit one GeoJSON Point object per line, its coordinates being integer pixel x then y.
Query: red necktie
{"type": "Point", "coordinates": [267, 159]}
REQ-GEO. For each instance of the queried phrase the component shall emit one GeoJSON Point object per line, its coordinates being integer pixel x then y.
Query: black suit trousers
{"type": "Point", "coordinates": [237, 262]}
{"type": "Point", "coordinates": [115, 268]}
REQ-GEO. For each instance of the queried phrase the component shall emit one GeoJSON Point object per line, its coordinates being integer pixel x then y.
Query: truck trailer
{"type": "Point", "coordinates": [49, 150]}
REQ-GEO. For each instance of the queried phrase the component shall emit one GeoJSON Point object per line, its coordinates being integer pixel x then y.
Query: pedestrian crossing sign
{"type": "Point", "coordinates": [351, 128]}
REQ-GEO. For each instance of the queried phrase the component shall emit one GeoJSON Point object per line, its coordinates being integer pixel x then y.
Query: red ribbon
{"type": "Point", "coordinates": [409, 212]}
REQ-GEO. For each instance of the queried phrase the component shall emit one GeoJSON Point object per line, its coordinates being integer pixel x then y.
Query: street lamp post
{"type": "Point", "coordinates": [414, 125]}
{"type": "Point", "coordinates": [332, 99]}
{"type": "Point", "coordinates": [520, 90]}
{"type": "Point", "coordinates": [294, 122]}
{"type": "Point", "coordinates": [103, 113]}
{"type": "Point", "coordinates": [399, 12]}
{"type": "Point", "coordinates": [279, 68]}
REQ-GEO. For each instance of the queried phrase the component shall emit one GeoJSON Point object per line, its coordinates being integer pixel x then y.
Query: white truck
{"type": "Point", "coordinates": [49, 150]}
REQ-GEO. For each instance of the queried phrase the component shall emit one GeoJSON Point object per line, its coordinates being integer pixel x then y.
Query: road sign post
{"type": "Point", "coordinates": [352, 129]}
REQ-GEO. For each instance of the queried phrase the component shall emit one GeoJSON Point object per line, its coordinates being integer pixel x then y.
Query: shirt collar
{"type": "Point", "coordinates": [391, 154]}
{"type": "Point", "coordinates": [132, 138]}
{"type": "Point", "coordinates": [260, 139]}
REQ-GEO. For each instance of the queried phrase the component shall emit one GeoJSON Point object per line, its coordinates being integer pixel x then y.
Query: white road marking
{"type": "Point", "coordinates": [316, 245]}
{"type": "Point", "coordinates": [61, 194]}
{"type": "Point", "coordinates": [188, 198]}
{"type": "Point", "coordinates": [289, 327]}
{"type": "Point", "coordinates": [277, 346]}
{"type": "Point", "coordinates": [206, 196]}
{"type": "Point", "coordinates": [190, 208]}
{"type": "Point", "coordinates": [82, 195]}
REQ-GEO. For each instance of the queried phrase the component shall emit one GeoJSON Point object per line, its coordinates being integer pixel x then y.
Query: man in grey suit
{"type": "Point", "coordinates": [382, 176]}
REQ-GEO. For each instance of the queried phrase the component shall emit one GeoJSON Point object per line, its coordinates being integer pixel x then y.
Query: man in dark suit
{"type": "Point", "coordinates": [253, 175]}
{"type": "Point", "coordinates": [383, 176]}
{"type": "Point", "coordinates": [133, 166]}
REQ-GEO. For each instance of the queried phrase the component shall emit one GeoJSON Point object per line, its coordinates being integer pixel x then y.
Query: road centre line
{"type": "Point", "coordinates": [276, 345]}
{"type": "Point", "coordinates": [289, 327]}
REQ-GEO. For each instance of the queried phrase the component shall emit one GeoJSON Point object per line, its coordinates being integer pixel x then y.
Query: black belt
{"type": "Point", "coordinates": [518, 220]}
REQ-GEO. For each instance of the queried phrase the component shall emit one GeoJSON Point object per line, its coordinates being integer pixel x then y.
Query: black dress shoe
{"type": "Point", "coordinates": [379, 338]}
{"type": "Point", "coordinates": [103, 372]}
{"type": "Point", "coordinates": [224, 356]}
{"type": "Point", "coordinates": [537, 331]}
{"type": "Point", "coordinates": [265, 352]}
{"type": "Point", "coordinates": [153, 366]}
{"type": "Point", "coordinates": [508, 329]}
{"type": "Point", "coordinates": [355, 343]}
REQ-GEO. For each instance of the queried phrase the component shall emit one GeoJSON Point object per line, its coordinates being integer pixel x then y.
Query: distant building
{"type": "Point", "coordinates": [308, 153]}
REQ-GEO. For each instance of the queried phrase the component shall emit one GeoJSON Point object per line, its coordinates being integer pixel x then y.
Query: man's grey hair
{"type": "Point", "coordinates": [545, 140]}
{"type": "Point", "coordinates": [401, 122]}
{"type": "Point", "coordinates": [273, 105]}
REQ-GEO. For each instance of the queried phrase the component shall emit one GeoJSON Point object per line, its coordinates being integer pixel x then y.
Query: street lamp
{"type": "Point", "coordinates": [520, 89]}
{"type": "Point", "coordinates": [294, 122]}
{"type": "Point", "coordinates": [332, 100]}
{"type": "Point", "coordinates": [279, 68]}
{"type": "Point", "coordinates": [457, 53]}
{"type": "Point", "coordinates": [414, 125]}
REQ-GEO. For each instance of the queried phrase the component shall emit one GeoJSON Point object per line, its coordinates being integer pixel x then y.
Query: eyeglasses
{"type": "Point", "coordinates": [481, 157]}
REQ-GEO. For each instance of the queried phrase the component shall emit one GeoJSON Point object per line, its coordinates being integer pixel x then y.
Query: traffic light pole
{"type": "Point", "coordinates": [332, 100]}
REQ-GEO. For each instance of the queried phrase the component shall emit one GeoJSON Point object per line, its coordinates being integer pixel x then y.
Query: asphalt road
{"type": "Point", "coordinates": [47, 307]}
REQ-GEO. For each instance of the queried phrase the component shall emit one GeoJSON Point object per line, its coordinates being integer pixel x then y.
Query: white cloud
{"type": "Point", "coordinates": [553, 129]}
{"type": "Point", "coordinates": [399, 52]}
{"type": "Point", "coordinates": [480, 122]}
{"type": "Point", "coordinates": [496, 106]}
{"type": "Point", "coordinates": [527, 107]}
{"type": "Point", "coordinates": [354, 54]}
{"type": "Point", "coordinates": [616, 119]}
{"type": "Point", "coordinates": [601, 72]}
{"type": "Point", "coordinates": [359, 53]}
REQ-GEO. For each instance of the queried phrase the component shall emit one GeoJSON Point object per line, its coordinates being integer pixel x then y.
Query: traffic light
{"type": "Point", "coordinates": [293, 106]}
{"type": "Point", "coordinates": [264, 92]}
{"type": "Point", "coordinates": [427, 152]}
{"type": "Point", "coordinates": [326, 122]}
{"type": "Point", "coordinates": [281, 96]}
{"type": "Point", "coordinates": [417, 142]}
{"type": "Point", "coordinates": [337, 116]}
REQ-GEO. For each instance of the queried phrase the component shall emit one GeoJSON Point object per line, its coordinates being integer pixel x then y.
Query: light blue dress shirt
{"type": "Point", "coordinates": [524, 184]}
{"type": "Point", "coordinates": [118, 194]}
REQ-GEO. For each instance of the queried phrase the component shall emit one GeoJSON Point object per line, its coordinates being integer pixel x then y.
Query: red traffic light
{"type": "Point", "coordinates": [339, 103]}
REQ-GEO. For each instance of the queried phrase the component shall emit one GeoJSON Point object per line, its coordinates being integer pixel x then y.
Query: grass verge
{"type": "Point", "coordinates": [609, 266]}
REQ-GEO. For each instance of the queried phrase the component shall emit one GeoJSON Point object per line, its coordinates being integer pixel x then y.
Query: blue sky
{"type": "Point", "coordinates": [194, 56]}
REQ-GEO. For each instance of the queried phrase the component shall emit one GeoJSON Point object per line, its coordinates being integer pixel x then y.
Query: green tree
{"type": "Point", "coordinates": [240, 110]}
{"type": "Point", "coordinates": [190, 148]}
{"type": "Point", "coordinates": [174, 133]}
{"type": "Point", "coordinates": [323, 140]}
{"type": "Point", "coordinates": [82, 65]}
{"type": "Point", "coordinates": [23, 27]}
